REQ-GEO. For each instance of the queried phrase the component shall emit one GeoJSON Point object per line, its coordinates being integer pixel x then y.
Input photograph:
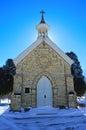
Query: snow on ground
{"type": "Point", "coordinates": [43, 118]}
{"type": "Point", "coordinates": [81, 100]}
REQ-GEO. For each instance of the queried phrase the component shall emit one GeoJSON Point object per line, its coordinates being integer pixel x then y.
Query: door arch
{"type": "Point", "coordinates": [44, 92]}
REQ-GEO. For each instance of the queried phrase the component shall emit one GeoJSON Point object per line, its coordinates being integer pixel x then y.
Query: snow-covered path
{"type": "Point", "coordinates": [43, 118]}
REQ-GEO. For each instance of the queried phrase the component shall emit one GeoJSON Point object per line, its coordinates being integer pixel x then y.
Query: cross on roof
{"type": "Point", "coordinates": [42, 12]}
{"type": "Point", "coordinates": [42, 19]}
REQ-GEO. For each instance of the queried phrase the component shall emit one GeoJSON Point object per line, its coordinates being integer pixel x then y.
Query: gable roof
{"type": "Point", "coordinates": [38, 42]}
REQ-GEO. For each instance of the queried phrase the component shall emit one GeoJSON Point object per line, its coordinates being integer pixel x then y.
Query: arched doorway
{"type": "Point", "coordinates": [44, 92]}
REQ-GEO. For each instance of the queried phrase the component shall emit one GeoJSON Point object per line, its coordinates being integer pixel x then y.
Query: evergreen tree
{"type": "Point", "coordinates": [76, 70]}
{"type": "Point", "coordinates": [1, 80]}
{"type": "Point", "coordinates": [6, 77]}
{"type": "Point", "coordinates": [10, 68]}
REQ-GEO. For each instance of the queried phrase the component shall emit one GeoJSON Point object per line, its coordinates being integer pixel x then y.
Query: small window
{"type": "Point", "coordinates": [27, 90]}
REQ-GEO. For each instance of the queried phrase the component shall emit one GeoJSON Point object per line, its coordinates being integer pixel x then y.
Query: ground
{"type": "Point", "coordinates": [43, 118]}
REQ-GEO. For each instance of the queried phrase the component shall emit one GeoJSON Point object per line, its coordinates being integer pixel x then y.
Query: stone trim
{"type": "Point", "coordinates": [38, 76]}
{"type": "Point", "coordinates": [35, 81]}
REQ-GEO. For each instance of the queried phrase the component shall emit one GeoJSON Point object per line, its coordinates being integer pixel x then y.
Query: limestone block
{"type": "Point", "coordinates": [55, 91]}
{"type": "Point", "coordinates": [70, 83]}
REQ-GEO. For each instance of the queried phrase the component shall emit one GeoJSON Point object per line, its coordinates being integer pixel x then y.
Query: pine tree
{"type": "Point", "coordinates": [10, 68]}
{"type": "Point", "coordinates": [76, 70]}
{"type": "Point", "coordinates": [6, 77]}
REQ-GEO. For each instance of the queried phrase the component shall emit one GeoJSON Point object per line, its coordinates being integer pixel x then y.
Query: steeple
{"type": "Point", "coordinates": [42, 19]}
{"type": "Point", "coordinates": [42, 27]}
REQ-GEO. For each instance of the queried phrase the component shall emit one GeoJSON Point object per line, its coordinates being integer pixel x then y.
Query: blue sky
{"type": "Point", "coordinates": [18, 18]}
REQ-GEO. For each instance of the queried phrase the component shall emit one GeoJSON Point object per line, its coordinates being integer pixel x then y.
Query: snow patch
{"type": "Point", "coordinates": [47, 118]}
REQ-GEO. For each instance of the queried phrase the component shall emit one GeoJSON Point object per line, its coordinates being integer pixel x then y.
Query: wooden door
{"type": "Point", "coordinates": [44, 92]}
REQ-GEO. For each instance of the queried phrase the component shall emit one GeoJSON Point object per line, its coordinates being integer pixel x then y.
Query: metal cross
{"type": "Point", "coordinates": [42, 12]}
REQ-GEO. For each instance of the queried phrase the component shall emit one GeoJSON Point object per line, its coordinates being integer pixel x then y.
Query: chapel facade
{"type": "Point", "coordinates": [43, 74]}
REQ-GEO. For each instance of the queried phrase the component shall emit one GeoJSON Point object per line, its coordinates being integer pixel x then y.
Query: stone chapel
{"type": "Point", "coordinates": [43, 74]}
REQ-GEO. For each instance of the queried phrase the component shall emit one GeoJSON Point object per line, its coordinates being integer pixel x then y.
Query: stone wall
{"type": "Point", "coordinates": [42, 61]}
